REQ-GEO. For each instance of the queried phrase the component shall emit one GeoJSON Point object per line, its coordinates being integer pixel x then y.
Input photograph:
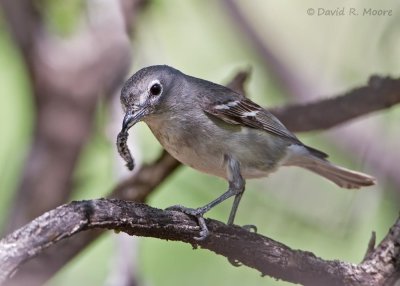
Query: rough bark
{"type": "Point", "coordinates": [148, 177]}
{"type": "Point", "coordinates": [237, 244]}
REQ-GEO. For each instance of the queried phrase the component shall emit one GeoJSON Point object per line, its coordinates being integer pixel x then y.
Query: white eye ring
{"type": "Point", "coordinates": [155, 88]}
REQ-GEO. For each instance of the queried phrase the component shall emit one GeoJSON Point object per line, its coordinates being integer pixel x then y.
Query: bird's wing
{"type": "Point", "coordinates": [242, 111]}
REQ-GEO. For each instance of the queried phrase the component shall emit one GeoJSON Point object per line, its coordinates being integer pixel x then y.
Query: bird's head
{"type": "Point", "coordinates": [144, 93]}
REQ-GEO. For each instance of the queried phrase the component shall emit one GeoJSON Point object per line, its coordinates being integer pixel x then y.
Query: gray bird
{"type": "Point", "coordinates": [217, 131]}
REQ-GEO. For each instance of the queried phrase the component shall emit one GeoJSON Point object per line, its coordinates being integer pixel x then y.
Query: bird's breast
{"type": "Point", "coordinates": [203, 146]}
{"type": "Point", "coordinates": [191, 147]}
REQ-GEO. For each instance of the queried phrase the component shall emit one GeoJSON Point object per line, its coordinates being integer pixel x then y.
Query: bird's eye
{"type": "Point", "coordinates": [155, 89]}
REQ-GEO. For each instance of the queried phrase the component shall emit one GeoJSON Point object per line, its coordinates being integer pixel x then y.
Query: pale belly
{"type": "Point", "coordinates": [206, 149]}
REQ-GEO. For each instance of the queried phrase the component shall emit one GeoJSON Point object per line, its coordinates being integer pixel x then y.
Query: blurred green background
{"type": "Point", "coordinates": [331, 53]}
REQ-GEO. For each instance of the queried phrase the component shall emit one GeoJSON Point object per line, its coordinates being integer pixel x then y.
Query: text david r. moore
{"type": "Point", "coordinates": [343, 11]}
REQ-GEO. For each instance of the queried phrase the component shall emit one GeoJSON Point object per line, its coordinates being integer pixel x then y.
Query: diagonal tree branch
{"type": "Point", "coordinates": [136, 188]}
{"type": "Point", "coordinates": [253, 250]}
{"type": "Point", "coordinates": [380, 93]}
{"type": "Point", "coordinates": [148, 177]}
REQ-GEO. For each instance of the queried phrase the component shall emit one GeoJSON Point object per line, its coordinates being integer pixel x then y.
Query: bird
{"type": "Point", "coordinates": [218, 131]}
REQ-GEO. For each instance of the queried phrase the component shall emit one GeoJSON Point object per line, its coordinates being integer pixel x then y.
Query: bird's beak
{"type": "Point", "coordinates": [132, 117]}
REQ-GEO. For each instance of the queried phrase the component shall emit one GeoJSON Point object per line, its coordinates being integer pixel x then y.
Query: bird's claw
{"type": "Point", "coordinates": [185, 210]}
{"type": "Point", "coordinates": [198, 213]}
{"type": "Point", "coordinates": [203, 228]}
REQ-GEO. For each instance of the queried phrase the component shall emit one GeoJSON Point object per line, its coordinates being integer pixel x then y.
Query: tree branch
{"type": "Point", "coordinates": [253, 250]}
{"type": "Point", "coordinates": [138, 187]}
{"type": "Point", "coordinates": [379, 93]}
{"type": "Point", "coordinates": [148, 177]}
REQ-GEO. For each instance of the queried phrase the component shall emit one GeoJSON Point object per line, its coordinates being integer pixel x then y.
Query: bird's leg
{"type": "Point", "coordinates": [234, 208]}
{"type": "Point", "coordinates": [232, 215]}
{"type": "Point", "coordinates": [199, 212]}
{"type": "Point", "coordinates": [237, 183]}
{"type": "Point", "coordinates": [236, 188]}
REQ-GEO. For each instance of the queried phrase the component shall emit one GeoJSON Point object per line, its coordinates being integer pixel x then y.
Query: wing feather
{"type": "Point", "coordinates": [242, 111]}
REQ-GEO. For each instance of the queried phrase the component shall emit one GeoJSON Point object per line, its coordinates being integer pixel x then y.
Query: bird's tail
{"type": "Point", "coordinates": [342, 177]}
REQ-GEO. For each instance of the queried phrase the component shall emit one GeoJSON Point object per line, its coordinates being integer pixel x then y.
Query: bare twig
{"type": "Point", "coordinates": [253, 250]}
{"type": "Point", "coordinates": [380, 93]}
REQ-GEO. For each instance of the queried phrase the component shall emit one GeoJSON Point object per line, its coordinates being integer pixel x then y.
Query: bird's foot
{"type": "Point", "coordinates": [198, 213]}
